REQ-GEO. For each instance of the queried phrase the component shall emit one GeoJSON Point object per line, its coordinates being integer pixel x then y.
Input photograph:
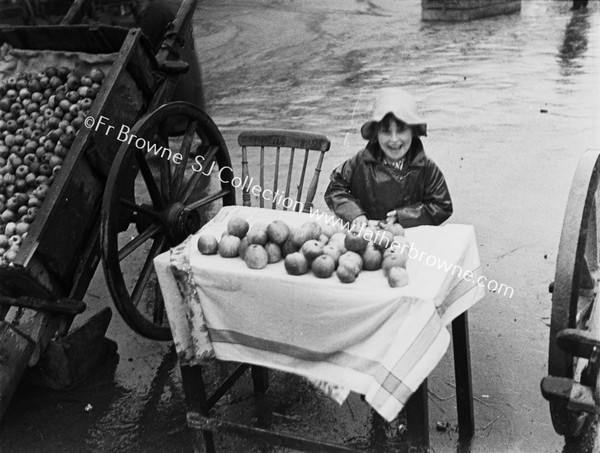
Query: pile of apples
{"type": "Point", "coordinates": [324, 250]}
{"type": "Point", "coordinates": [40, 114]}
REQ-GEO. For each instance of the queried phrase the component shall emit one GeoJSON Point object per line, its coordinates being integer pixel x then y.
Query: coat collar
{"type": "Point", "coordinates": [415, 156]}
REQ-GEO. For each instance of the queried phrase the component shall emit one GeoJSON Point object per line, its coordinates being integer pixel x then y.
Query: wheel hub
{"type": "Point", "coordinates": [180, 222]}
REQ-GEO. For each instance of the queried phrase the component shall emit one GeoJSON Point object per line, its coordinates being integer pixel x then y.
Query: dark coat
{"type": "Point", "coordinates": [364, 185]}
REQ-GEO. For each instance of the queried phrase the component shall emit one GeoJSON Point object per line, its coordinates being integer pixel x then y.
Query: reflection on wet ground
{"type": "Point", "coordinates": [574, 44]}
{"type": "Point", "coordinates": [511, 103]}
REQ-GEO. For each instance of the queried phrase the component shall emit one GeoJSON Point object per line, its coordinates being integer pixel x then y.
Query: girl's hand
{"type": "Point", "coordinates": [392, 217]}
{"type": "Point", "coordinates": [359, 222]}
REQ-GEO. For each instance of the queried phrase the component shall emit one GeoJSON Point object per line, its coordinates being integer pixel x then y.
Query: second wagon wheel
{"type": "Point", "coordinates": [576, 283]}
{"type": "Point", "coordinates": [156, 197]}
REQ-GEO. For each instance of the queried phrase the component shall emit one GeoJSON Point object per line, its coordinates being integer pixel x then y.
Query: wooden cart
{"type": "Point", "coordinates": [110, 199]}
{"type": "Point", "coordinates": [573, 384]}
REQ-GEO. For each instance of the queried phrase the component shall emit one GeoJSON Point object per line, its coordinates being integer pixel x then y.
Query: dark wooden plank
{"type": "Point", "coordinates": [124, 105]}
{"type": "Point", "coordinates": [142, 66]}
{"type": "Point", "coordinates": [462, 371]}
{"type": "Point", "coordinates": [120, 101]}
{"type": "Point", "coordinates": [72, 216]}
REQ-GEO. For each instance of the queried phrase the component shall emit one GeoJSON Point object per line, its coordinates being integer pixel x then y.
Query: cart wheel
{"type": "Point", "coordinates": [154, 200]}
{"type": "Point", "coordinates": [576, 283]}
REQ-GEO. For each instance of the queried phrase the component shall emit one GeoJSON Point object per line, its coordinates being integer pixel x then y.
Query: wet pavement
{"type": "Point", "coordinates": [511, 103]}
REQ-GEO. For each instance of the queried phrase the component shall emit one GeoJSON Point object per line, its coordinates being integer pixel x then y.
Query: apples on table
{"type": "Point", "coordinates": [324, 250]}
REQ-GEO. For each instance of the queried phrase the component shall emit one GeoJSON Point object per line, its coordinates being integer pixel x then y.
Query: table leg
{"type": "Point", "coordinates": [196, 401]}
{"type": "Point", "coordinates": [260, 378]}
{"type": "Point", "coordinates": [462, 371]}
{"type": "Point", "coordinates": [417, 417]}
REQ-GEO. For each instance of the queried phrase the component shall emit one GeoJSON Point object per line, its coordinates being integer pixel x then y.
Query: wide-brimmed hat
{"type": "Point", "coordinates": [399, 103]}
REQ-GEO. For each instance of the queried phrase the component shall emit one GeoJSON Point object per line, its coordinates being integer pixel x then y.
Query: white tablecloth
{"type": "Point", "coordinates": [364, 336]}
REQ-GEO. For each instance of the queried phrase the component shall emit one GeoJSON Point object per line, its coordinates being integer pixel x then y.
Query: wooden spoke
{"type": "Point", "coordinates": [158, 314]}
{"type": "Point", "coordinates": [191, 185]}
{"type": "Point", "coordinates": [165, 179]}
{"type": "Point", "coordinates": [139, 208]}
{"type": "Point", "coordinates": [188, 139]}
{"type": "Point", "coordinates": [164, 164]}
{"type": "Point", "coordinates": [206, 200]}
{"type": "Point", "coordinates": [586, 280]}
{"type": "Point", "coordinates": [147, 270]}
{"type": "Point", "coordinates": [196, 177]}
{"type": "Point", "coordinates": [155, 194]}
{"type": "Point", "coordinates": [131, 246]}
{"type": "Point", "coordinates": [584, 308]}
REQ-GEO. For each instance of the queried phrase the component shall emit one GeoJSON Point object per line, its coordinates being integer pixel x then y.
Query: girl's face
{"type": "Point", "coordinates": [394, 137]}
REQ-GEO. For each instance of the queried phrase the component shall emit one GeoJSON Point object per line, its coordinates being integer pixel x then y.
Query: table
{"type": "Point", "coordinates": [365, 337]}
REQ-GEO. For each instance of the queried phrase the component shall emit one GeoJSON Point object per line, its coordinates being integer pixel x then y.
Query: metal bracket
{"type": "Point", "coordinates": [577, 342]}
{"type": "Point", "coordinates": [172, 67]}
{"type": "Point", "coordinates": [579, 398]}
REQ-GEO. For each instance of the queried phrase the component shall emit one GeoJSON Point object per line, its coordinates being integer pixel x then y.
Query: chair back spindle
{"type": "Point", "coordinates": [282, 142]}
{"type": "Point", "coordinates": [262, 173]}
{"type": "Point", "coordinates": [289, 178]}
{"type": "Point", "coordinates": [276, 177]}
{"type": "Point", "coordinates": [246, 201]}
{"type": "Point", "coordinates": [312, 188]}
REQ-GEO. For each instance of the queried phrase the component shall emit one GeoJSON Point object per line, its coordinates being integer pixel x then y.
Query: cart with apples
{"type": "Point", "coordinates": [103, 199]}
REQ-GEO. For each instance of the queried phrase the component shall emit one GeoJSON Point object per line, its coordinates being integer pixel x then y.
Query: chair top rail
{"type": "Point", "coordinates": [284, 138]}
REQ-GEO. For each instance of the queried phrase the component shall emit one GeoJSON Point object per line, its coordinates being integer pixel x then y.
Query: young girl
{"type": "Point", "coordinates": [391, 179]}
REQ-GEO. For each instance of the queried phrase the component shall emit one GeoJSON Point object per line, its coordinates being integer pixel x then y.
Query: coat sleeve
{"type": "Point", "coordinates": [338, 195]}
{"type": "Point", "coordinates": [436, 205]}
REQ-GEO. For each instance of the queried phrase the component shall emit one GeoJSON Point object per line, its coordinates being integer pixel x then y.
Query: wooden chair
{"type": "Point", "coordinates": [283, 143]}
{"type": "Point", "coordinates": [280, 142]}
{"type": "Point", "coordinates": [199, 403]}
